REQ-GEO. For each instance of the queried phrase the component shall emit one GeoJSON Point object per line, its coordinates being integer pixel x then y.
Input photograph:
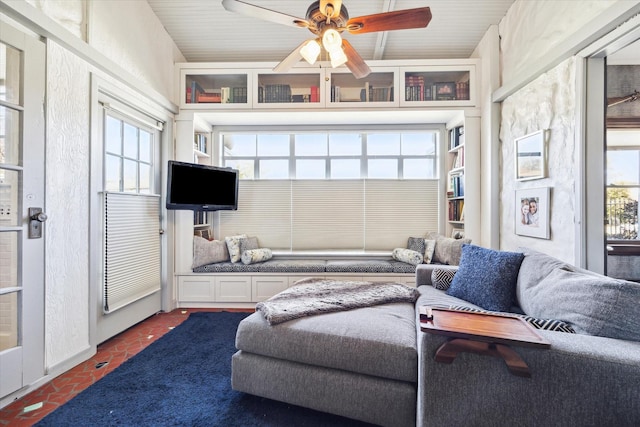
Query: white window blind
{"type": "Point", "coordinates": [264, 211]}
{"type": "Point", "coordinates": [131, 248]}
{"type": "Point", "coordinates": [328, 214]}
{"type": "Point", "coordinates": [397, 209]}
{"type": "Point", "coordinates": [333, 214]}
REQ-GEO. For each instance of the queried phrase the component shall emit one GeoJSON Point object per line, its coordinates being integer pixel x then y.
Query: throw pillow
{"type": "Point", "coordinates": [429, 247]}
{"type": "Point", "coordinates": [487, 277]}
{"type": "Point", "coordinates": [416, 244]}
{"type": "Point", "coordinates": [407, 255]}
{"type": "Point", "coordinates": [447, 250]}
{"type": "Point", "coordinates": [441, 278]}
{"type": "Point", "coordinates": [233, 245]}
{"type": "Point", "coordinates": [592, 304]}
{"type": "Point", "coordinates": [248, 244]}
{"type": "Point", "coordinates": [251, 256]}
{"type": "Point", "coordinates": [208, 251]}
{"type": "Point", "coordinates": [544, 324]}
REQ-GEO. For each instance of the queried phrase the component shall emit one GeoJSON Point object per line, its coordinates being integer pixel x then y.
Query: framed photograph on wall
{"type": "Point", "coordinates": [532, 212]}
{"type": "Point", "coordinates": [530, 156]}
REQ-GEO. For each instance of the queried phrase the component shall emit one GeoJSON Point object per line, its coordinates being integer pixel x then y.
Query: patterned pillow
{"type": "Point", "coordinates": [441, 278]}
{"type": "Point", "coordinates": [233, 245]}
{"type": "Point", "coordinates": [252, 256]}
{"type": "Point", "coordinates": [545, 324]}
{"type": "Point", "coordinates": [407, 255]}
{"type": "Point", "coordinates": [248, 244]}
{"type": "Point", "coordinates": [448, 250]}
{"type": "Point", "coordinates": [487, 277]}
{"type": "Point", "coordinates": [416, 244]}
{"type": "Point", "coordinates": [208, 251]}
{"type": "Point", "coordinates": [429, 247]}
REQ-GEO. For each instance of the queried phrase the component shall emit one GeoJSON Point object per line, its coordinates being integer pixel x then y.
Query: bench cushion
{"type": "Point", "coordinates": [360, 266]}
{"type": "Point", "coordinates": [270, 266]}
{"type": "Point", "coordinates": [379, 340]}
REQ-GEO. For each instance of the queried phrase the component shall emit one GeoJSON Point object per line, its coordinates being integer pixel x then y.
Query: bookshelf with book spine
{"type": "Point", "coordinates": [439, 85]}
{"type": "Point", "coordinates": [288, 90]}
{"type": "Point", "coordinates": [456, 177]}
{"type": "Point", "coordinates": [376, 89]}
{"type": "Point", "coordinates": [206, 89]}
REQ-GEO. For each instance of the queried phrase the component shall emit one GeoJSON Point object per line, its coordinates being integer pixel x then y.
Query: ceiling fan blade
{"type": "Point", "coordinates": [398, 20]}
{"type": "Point", "coordinates": [259, 12]}
{"type": "Point", "coordinates": [355, 63]}
{"type": "Point", "coordinates": [335, 5]}
{"type": "Point", "coordinates": [291, 60]}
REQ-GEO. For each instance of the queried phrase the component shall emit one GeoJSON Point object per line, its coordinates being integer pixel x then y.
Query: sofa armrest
{"type": "Point", "coordinates": [423, 272]}
{"type": "Point", "coordinates": [580, 380]}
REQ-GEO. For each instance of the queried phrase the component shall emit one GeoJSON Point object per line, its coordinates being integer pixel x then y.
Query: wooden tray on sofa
{"type": "Point", "coordinates": [485, 327]}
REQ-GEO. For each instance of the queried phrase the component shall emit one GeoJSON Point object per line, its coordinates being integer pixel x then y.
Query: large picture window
{"type": "Point", "coordinates": [333, 191]}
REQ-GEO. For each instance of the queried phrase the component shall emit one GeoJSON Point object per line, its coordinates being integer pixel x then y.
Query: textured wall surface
{"type": "Point", "coordinates": [131, 36]}
{"type": "Point", "coordinates": [546, 103]}
{"type": "Point", "coordinates": [530, 29]}
{"type": "Point", "coordinates": [67, 201]}
{"type": "Point", "coordinates": [68, 13]}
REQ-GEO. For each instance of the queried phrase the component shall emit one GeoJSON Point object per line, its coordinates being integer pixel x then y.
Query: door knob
{"type": "Point", "coordinates": [36, 218]}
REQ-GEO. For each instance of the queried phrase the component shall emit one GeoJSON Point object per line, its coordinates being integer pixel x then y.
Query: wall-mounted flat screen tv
{"type": "Point", "coordinates": [201, 188]}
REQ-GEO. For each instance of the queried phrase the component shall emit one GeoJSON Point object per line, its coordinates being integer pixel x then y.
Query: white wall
{"type": "Point", "coordinates": [131, 36]}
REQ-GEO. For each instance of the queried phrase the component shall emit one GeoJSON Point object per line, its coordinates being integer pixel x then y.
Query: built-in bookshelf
{"type": "Point", "coordinates": [456, 177]}
{"type": "Point", "coordinates": [428, 83]}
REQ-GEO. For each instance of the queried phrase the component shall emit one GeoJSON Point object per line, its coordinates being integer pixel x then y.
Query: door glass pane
{"type": "Point", "coordinates": [9, 136]}
{"type": "Point", "coordinates": [112, 135]}
{"type": "Point", "coordinates": [112, 169]}
{"type": "Point", "coordinates": [145, 178]}
{"type": "Point", "coordinates": [130, 173]}
{"type": "Point", "coordinates": [10, 72]}
{"type": "Point", "coordinates": [9, 260]}
{"type": "Point", "coordinates": [145, 146]}
{"type": "Point", "coordinates": [130, 136]}
{"type": "Point", "coordinates": [9, 192]}
{"type": "Point", "coordinates": [9, 323]}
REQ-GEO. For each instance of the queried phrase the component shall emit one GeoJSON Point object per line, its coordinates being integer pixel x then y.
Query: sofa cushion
{"type": "Point", "coordinates": [252, 256]}
{"type": "Point", "coordinates": [208, 251]}
{"type": "Point", "coordinates": [487, 277]}
{"type": "Point", "coordinates": [441, 278]}
{"type": "Point", "coordinates": [447, 250]}
{"type": "Point", "coordinates": [429, 248]}
{"type": "Point", "coordinates": [592, 304]}
{"type": "Point", "coordinates": [247, 244]}
{"type": "Point", "coordinates": [233, 245]}
{"type": "Point", "coordinates": [416, 244]}
{"type": "Point", "coordinates": [361, 266]}
{"type": "Point", "coordinates": [378, 341]}
{"type": "Point", "coordinates": [407, 255]}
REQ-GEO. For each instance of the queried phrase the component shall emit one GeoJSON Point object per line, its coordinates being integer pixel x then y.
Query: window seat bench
{"type": "Point", "coordinates": [236, 285]}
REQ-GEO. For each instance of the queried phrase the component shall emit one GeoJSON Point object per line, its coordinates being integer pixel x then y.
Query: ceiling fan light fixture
{"type": "Point", "coordinates": [311, 51]}
{"type": "Point", "coordinates": [338, 58]}
{"type": "Point", "coordinates": [331, 40]}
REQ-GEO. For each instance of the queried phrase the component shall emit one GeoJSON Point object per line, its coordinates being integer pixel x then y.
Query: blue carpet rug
{"type": "Point", "coordinates": [183, 379]}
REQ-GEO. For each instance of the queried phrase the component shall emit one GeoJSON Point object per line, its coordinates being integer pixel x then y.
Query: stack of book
{"type": "Point", "coordinates": [415, 89]}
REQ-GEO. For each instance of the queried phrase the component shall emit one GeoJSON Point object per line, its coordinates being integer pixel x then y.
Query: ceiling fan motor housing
{"type": "Point", "coordinates": [319, 19]}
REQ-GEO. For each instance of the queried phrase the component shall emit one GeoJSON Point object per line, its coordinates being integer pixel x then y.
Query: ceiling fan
{"type": "Point", "coordinates": [326, 19]}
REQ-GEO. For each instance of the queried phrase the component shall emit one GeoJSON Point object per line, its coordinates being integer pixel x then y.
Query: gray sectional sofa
{"type": "Point", "coordinates": [376, 365]}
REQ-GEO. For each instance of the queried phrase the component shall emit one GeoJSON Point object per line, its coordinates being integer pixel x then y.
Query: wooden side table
{"type": "Point", "coordinates": [482, 333]}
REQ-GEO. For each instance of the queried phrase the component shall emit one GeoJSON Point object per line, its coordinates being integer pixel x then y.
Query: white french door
{"type": "Point", "coordinates": [22, 216]}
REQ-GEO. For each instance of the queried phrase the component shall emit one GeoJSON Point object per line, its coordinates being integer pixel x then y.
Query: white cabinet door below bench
{"type": "Point", "coordinates": [233, 288]}
{"type": "Point", "coordinates": [263, 288]}
{"type": "Point", "coordinates": [196, 289]}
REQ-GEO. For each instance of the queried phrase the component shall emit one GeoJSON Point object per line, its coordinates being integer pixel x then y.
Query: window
{"type": "Point", "coordinates": [343, 190]}
{"type": "Point", "coordinates": [336, 155]}
{"type": "Point", "coordinates": [128, 156]}
{"type": "Point", "coordinates": [623, 185]}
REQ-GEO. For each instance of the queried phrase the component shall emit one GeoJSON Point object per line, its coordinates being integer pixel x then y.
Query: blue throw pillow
{"type": "Point", "coordinates": [487, 277]}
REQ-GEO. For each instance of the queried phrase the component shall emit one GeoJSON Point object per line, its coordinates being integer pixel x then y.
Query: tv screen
{"type": "Point", "coordinates": [201, 188]}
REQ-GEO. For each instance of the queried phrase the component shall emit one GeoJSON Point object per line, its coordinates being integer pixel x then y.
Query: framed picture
{"type": "Point", "coordinates": [445, 91]}
{"type": "Point", "coordinates": [532, 212]}
{"type": "Point", "coordinates": [531, 156]}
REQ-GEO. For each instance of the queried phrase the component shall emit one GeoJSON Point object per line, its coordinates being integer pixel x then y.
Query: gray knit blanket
{"type": "Point", "coordinates": [316, 296]}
